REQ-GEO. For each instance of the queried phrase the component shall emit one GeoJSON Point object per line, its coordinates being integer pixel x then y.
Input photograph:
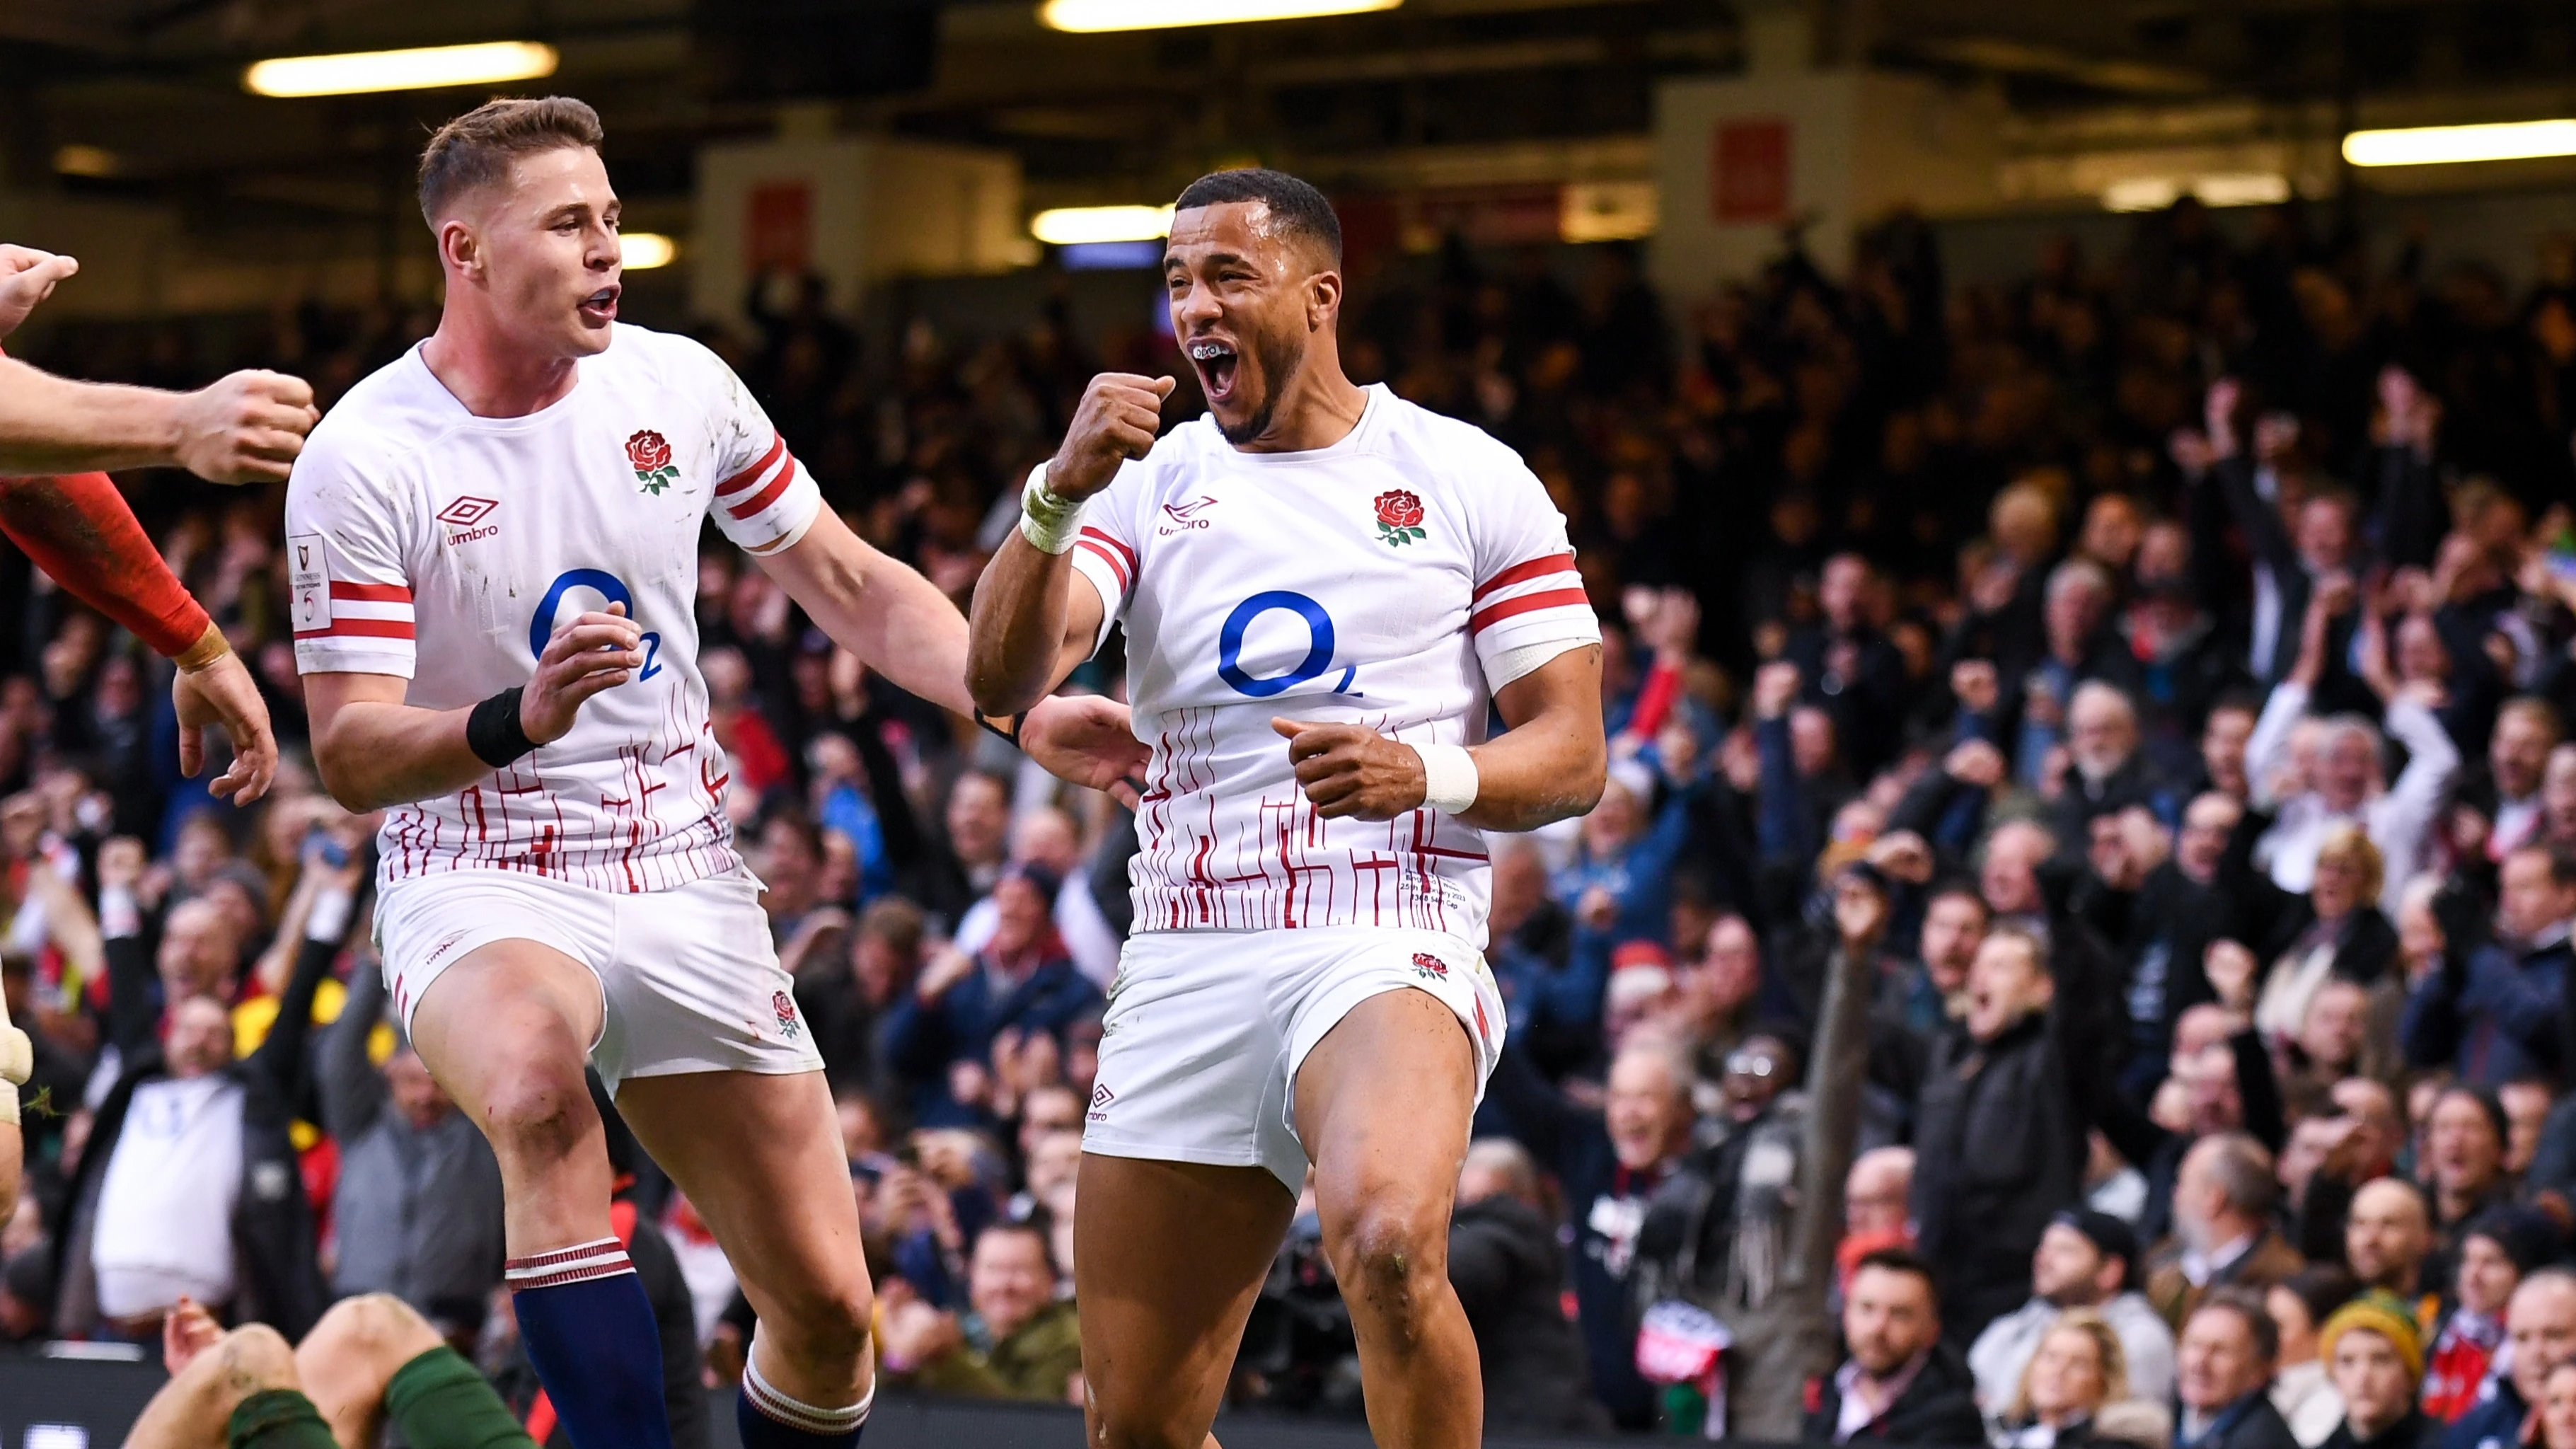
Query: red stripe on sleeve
{"type": "Point", "coordinates": [371, 593]}
{"type": "Point", "coordinates": [1521, 573]}
{"type": "Point", "coordinates": [1123, 550]}
{"type": "Point", "coordinates": [1108, 558]}
{"type": "Point", "coordinates": [768, 495]}
{"type": "Point", "coordinates": [1528, 604]}
{"type": "Point", "coordinates": [372, 628]}
{"type": "Point", "coordinates": [744, 479]}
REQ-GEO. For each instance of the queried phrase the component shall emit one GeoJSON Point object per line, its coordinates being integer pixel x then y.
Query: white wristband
{"type": "Point", "coordinates": [1048, 520]}
{"type": "Point", "coordinates": [17, 1057]}
{"type": "Point", "coordinates": [8, 1104]}
{"type": "Point", "coordinates": [1448, 777]}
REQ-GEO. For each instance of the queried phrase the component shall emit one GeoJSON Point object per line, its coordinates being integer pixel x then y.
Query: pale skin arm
{"type": "Point", "coordinates": [373, 750]}
{"type": "Point", "coordinates": [902, 626]}
{"type": "Point", "coordinates": [245, 428]}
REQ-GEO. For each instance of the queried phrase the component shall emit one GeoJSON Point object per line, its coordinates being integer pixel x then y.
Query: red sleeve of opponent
{"type": "Point", "coordinates": [78, 529]}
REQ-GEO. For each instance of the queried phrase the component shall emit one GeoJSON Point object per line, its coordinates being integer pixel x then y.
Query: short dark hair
{"type": "Point", "coordinates": [2561, 858]}
{"type": "Point", "coordinates": [476, 148]}
{"type": "Point", "coordinates": [1032, 1228]}
{"type": "Point", "coordinates": [2246, 1304]}
{"type": "Point", "coordinates": [1296, 203]}
{"type": "Point", "coordinates": [1901, 1260]}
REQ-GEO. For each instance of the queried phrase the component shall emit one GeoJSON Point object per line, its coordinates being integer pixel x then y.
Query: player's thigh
{"type": "Point", "coordinates": [1167, 1260]}
{"type": "Point", "coordinates": [1384, 1103]}
{"type": "Point", "coordinates": [760, 1157]}
{"type": "Point", "coordinates": [507, 1031]}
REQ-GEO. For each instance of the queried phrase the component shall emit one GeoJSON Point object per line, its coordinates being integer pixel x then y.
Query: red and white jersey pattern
{"type": "Point", "coordinates": [1379, 581]}
{"type": "Point", "coordinates": [443, 548]}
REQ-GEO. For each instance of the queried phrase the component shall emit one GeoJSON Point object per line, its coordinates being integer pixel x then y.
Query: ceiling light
{"type": "Point", "coordinates": [2218, 188]}
{"type": "Point", "coordinates": [2427, 145]}
{"type": "Point", "coordinates": [1092, 15]}
{"type": "Point", "coordinates": [79, 160]}
{"type": "Point", "coordinates": [400, 70]}
{"type": "Point", "coordinates": [642, 251]}
{"type": "Point", "coordinates": [1600, 211]}
{"type": "Point", "coordinates": [1074, 225]}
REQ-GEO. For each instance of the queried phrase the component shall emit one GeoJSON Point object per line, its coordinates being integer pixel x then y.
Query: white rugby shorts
{"type": "Point", "coordinates": [687, 977]}
{"type": "Point", "coordinates": [1205, 1031]}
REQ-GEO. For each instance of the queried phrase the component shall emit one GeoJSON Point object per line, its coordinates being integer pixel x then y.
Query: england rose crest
{"type": "Point", "coordinates": [1430, 967]}
{"type": "Point", "coordinates": [785, 1006]}
{"type": "Point", "coordinates": [1399, 517]}
{"type": "Point", "coordinates": [650, 453]}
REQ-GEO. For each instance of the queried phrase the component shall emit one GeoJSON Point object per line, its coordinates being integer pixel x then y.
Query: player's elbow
{"type": "Point", "coordinates": [1589, 775]}
{"type": "Point", "coordinates": [995, 684]}
{"type": "Point", "coordinates": [345, 778]}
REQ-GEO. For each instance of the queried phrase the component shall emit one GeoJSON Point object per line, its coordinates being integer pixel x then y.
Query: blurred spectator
{"type": "Point", "coordinates": [2373, 1359]}
{"type": "Point", "coordinates": [1017, 1340]}
{"type": "Point", "coordinates": [1505, 1263]}
{"type": "Point", "coordinates": [2301, 1388]}
{"type": "Point", "coordinates": [2087, 1263]}
{"type": "Point", "coordinates": [2495, 1253]}
{"type": "Point", "coordinates": [2075, 1368]}
{"type": "Point", "coordinates": [2223, 1375]}
{"type": "Point", "coordinates": [1901, 1384]}
{"type": "Point", "coordinates": [2540, 1335]}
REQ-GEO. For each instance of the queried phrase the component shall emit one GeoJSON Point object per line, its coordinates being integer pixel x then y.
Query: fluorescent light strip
{"type": "Point", "coordinates": [427, 68]}
{"type": "Point", "coordinates": [1075, 225]}
{"type": "Point", "coordinates": [2220, 188]}
{"type": "Point", "coordinates": [642, 251]}
{"type": "Point", "coordinates": [1098, 15]}
{"type": "Point", "coordinates": [2433, 145]}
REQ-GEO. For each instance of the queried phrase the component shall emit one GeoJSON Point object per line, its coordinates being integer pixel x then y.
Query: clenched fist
{"type": "Point", "coordinates": [245, 428]}
{"type": "Point", "coordinates": [1118, 419]}
{"type": "Point", "coordinates": [594, 652]}
{"type": "Point", "coordinates": [1352, 770]}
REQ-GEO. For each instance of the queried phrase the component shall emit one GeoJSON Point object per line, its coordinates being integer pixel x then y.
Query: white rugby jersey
{"type": "Point", "coordinates": [425, 542]}
{"type": "Point", "coordinates": [1373, 582]}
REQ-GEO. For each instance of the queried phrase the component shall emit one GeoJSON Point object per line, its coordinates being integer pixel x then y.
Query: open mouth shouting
{"type": "Point", "coordinates": [1217, 364]}
{"type": "Point", "coordinates": [600, 307]}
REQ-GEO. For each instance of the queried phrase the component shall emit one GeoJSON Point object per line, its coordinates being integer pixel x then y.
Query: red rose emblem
{"type": "Point", "coordinates": [648, 451]}
{"type": "Point", "coordinates": [1397, 508]}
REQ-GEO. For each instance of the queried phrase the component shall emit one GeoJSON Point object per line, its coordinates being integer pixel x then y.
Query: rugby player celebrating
{"type": "Point", "coordinates": [492, 546]}
{"type": "Point", "coordinates": [1330, 564]}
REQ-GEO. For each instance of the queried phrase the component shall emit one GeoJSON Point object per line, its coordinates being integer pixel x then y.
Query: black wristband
{"type": "Point", "coordinates": [493, 731]}
{"type": "Point", "coordinates": [1012, 734]}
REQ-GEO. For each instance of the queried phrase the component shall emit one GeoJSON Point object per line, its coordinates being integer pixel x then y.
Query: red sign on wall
{"type": "Point", "coordinates": [779, 227]}
{"type": "Point", "coordinates": [1749, 171]}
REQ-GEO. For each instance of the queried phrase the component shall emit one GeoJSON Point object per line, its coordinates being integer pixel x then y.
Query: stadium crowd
{"type": "Point", "coordinates": [2075, 946]}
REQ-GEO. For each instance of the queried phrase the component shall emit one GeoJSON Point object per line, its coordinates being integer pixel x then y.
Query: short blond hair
{"type": "Point", "coordinates": [477, 148]}
{"type": "Point", "coordinates": [2106, 1347]}
{"type": "Point", "coordinates": [2348, 845]}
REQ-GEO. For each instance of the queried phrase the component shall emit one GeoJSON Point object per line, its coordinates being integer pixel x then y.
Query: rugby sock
{"type": "Point", "coordinates": [590, 1332]}
{"type": "Point", "coordinates": [768, 1419]}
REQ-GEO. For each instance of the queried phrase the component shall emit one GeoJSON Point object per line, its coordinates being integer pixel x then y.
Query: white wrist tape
{"type": "Point", "coordinates": [1048, 520]}
{"type": "Point", "coordinates": [8, 1104]}
{"type": "Point", "coordinates": [1448, 777]}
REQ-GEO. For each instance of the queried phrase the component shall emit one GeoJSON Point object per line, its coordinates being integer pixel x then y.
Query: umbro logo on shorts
{"type": "Point", "coordinates": [1101, 1097]}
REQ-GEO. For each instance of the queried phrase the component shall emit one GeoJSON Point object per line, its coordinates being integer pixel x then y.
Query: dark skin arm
{"type": "Point", "coordinates": [1549, 765]}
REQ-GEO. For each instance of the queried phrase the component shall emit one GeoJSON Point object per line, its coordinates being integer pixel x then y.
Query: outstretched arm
{"type": "Point", "coordinates": [903, 627]}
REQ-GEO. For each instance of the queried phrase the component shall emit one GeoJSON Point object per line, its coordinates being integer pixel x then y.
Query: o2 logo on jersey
{"type": "Point", "coordinates": [612, 590]}
{"type": "Point", "coordinates": [1319, 646]}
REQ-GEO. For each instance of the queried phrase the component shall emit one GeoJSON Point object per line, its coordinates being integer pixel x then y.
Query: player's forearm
{"type": "Point", "coordinates": [1547, 769]}
{"type": "Point", "coordinates": [13, 1151]}
{"type": "Point", "coordinates": [51, 424]}
{"type": "Point", "coordinates": [1020, 611]}
{"type": "Point", "coordinates": [879, 609]}
{"type": "Point", "coordinates": [1551, 763]}
{"type": "Point", "coordinates": [372, 755]}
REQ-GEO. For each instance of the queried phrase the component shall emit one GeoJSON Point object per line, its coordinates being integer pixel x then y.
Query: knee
{"type": "Point", "coordinates": [253, 1359]}
{"type": "Point", "coordinates": [540, 1111]}
{"type": "Point", "coordinates": [372, 1334]}
{"type": "Point", "coordinates": [1391, 1257]}
{"type": "Point", "coordinates": [824, 1323]}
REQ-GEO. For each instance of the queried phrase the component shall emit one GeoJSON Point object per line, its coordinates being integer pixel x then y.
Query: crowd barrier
{"type": "Point", "coordinates": [53, 1403]}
